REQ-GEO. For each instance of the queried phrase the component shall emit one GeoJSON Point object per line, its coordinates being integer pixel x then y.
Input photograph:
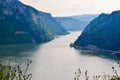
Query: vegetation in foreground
{"type": "Point", "coordinates": [14, 72]}
{"type": "Point", "coordinates": [116, 75]}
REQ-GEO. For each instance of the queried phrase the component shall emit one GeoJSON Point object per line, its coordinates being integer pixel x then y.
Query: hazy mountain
{"type": "Point", "coordinates": [102, 32]}
{"type": "Point", "coordinates": [73, 23]}
{"type": "Point", "coordinates": [69, 23]}
{"type": "Point", "coordinates": [85, 17]}
{"type": "Point", "coordinates": [20, 23]}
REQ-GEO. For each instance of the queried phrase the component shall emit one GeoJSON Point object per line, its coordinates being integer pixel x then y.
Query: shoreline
{"type": "Point", "coordinates": [95, 49]}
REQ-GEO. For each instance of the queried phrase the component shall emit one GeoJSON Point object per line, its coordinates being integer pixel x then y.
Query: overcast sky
{"type": "Point", "coordinates": [74, 7]}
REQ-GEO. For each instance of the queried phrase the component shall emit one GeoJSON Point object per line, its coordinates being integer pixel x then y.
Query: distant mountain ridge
{"type": "Point", "coordinates": [75, 23]}
{"type": "Point", "coordinates": [20, 23]}
{"type": "Point", "coordinates": [85, 17]}
{"type": "Point", "coordinates": [69, 23]}
{"type": "Point", "coordinates": [102, 32]}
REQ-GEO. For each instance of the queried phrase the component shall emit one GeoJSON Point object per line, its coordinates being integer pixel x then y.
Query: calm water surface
{"type": "Point", "coordinates": [55, 60]}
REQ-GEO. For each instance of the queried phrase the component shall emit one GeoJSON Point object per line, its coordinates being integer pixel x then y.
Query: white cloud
{"type": "Point", "coordinates": [74, 7]}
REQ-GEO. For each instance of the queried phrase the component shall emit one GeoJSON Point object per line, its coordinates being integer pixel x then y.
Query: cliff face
{"type": "Point", "coordinates": [102, 32]}
{"type": "Point", "coordinates": [20, 23]}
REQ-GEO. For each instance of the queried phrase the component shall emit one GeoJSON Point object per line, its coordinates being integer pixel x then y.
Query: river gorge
{"type": "Point", "coordinates": [56, 60]}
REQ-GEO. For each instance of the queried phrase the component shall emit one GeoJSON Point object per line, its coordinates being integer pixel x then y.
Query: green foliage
{"type": "Point", "coordinates": [102, 32]}
{"type": "Point", "coordinates": [115, 76]}
{"type": "Point", "coordinates": [20, 23]}
{"type": "Point", "coordinates": [14, 72]}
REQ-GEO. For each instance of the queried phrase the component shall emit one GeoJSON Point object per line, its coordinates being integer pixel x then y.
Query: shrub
{"type": "Point", "coordinates": [116, 76]}
{"type": "Point", "coordinates": [14, 72]}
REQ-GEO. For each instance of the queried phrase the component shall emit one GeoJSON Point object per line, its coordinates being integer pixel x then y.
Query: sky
{"type": "Point", "coordinates": [74, 7]}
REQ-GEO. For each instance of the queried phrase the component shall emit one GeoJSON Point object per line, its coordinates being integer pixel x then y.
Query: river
{"type": "Point", "coordinates": [55, 60]}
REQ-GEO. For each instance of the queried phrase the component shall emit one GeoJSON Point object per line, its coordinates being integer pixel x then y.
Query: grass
{"type": "Point", "coordinates": [14, 72]}
{"type": "Point", "coordinates": [116, 76]}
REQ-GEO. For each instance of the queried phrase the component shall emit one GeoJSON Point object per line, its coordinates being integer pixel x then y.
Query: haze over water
{"type": "Point", "coordinates": [55, 60]}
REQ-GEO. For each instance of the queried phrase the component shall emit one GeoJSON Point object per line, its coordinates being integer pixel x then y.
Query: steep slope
{"type": "Point", "coordinates": [75, 23]}
{"type": "Point", "coordinates": [69, 23]}
{"type": "Point", "coordinates": [52, 25]}
{"type": "Point", "coordinates": [20, 23]}
{"type": "Point", "coordinates": [102, 32]}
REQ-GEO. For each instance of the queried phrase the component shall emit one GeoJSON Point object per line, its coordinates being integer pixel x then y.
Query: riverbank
{"type": "Point", "coordinates": [55, 60]}
{"type": "Point", "coordinates": [96, 49]}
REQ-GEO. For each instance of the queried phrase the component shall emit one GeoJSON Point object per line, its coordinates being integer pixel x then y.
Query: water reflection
{"type": "Point", "coordinates": [105, 55]}
{"type": "Point", "coordinates": [55, 60]}
{"type": "Point", "coordinates": [17, 50]}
